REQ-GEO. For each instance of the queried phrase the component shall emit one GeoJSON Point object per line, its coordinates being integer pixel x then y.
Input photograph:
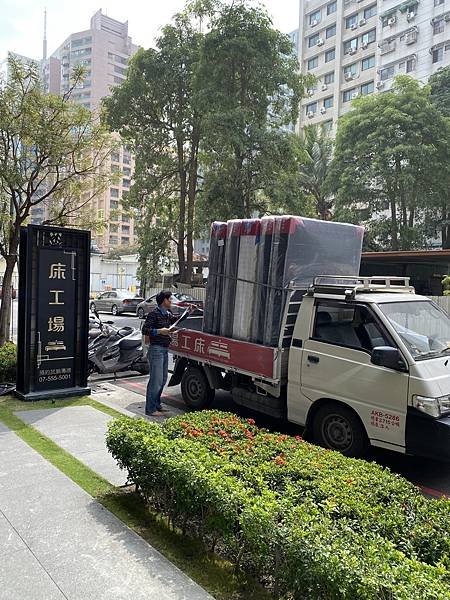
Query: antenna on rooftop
{"type": "Point", "coordinates": [44, 42]}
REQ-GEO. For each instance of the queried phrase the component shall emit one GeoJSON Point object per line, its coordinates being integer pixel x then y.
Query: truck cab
{"type": "Point", "coordinates": [369, 363]}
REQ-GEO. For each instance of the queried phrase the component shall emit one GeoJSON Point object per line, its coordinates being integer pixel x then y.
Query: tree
{"type": "Point", "coordinates": [439, 84]}
{"type": "Point", "coordinates": [154, 112]}
{"type": "Point", "coordinates": [313, 170]}
{"type": "Point", "coordinates": [248, 87]}
{"type": "Point", "coordinates": [51, 154]}
{"type": "Point", "coordinates": [390, 153]}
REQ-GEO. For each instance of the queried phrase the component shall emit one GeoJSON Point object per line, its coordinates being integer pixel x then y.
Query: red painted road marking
{"type": "Point", "coordinates": [143, 386]}
{"type": "Point", "coordinates": [432, 492]}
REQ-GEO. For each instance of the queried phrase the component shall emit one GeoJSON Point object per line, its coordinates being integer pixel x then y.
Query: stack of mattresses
{"type": "Point", "coordinates": [246, 274]}
{"type": "Point", "coordinates": [274, 253]}
{"type": "Point", "coordinates": [213, 301]}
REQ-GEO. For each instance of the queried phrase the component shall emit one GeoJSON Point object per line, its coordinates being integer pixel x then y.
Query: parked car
{"type": "Point", "coordinates": [179, 304]}
{"type": "Point", "coordinates": [115, 302]}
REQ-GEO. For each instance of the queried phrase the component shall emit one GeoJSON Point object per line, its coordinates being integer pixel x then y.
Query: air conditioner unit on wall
{"type": "Point", "coordinates": [323, 110]}
{"type": "Point", "coordinates": [324, 87]}
{"type": "Point", "coordinates": [364, 45]}
{"type": "Point", "coordinates": [392, 21]}
{"type": "Point", "coordinates": [362, 22]}
{"type": "Point", "coordinates": [310, 114]}
{"type": "Point", "coordinates": [348, 76]}
{"type": "Point", "coordinates": [379, 84]}
{"type": "Point", "coordinates": [411, 37]}
{"type": "Point", "coordinates": [320, 42]}
{"type": "Point", "coordinates": [314, 22]}
{"type": "Point", "coordinates": [410, 16]}
{"type": "Point", "coordinates": [447, 17]}
{"type": "Point", "coordinates": [354, 95]}
{"type": "Point", "coordinates": [352, 50]}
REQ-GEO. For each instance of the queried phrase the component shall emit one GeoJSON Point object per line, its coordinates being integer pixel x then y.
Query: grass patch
{"type": "Point", "coordinates": [215, 575]}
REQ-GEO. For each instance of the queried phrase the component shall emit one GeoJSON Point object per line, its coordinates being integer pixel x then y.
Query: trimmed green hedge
{"type": "Point", "coordinates": [8, 362]}
{"type": "Point", "coordinates": [310, 523]}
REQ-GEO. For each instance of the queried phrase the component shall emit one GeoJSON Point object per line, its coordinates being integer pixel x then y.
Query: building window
{"type": "Point", "coordinates": [438, 2]}
{"type": "Point", "coordinates": [311, 107]}
{"type": "Point", "coordinates": [114, 192]}
{"type": "Point", "coordinates": [127, 171]}
{"type": "Point", "coordinates": [125, 241]}
{"type": "Point", "coordinates": [114, 228]}
{"type": "Point", "coordinates": [81, 42]}
{"type": "Point", "coordinates": [327, 126]}
{"type": "Point", "coordinates": [368, 63]}
{"type": "Point", "coordinates": [113, 240]}
{"type": "Point", "coordinates": [348, 95]}
{"type": "Point", "coordinates": [350, 45]}
{"type": "Point", "coordinates": [410, 65]}
{"type": "Point", "coordinates": [314, 17]}
{"type": "Point", "coordinates": [312, 41]}
{"type": "Point", "coordinates": [438, 54]}
{"type": "Point", "coordinates": [386, 73]}
{"type": "Point", "coordinates": [113, 205]}
{"type": "Point", "coordinates": [350, 70]}
{"type": "Point", "coordinates": [367, 88]}
{"type": "Point", "coordinates": [331, 31]}
{"type": "Point", "coordinates": [118, 79]}
{"type": "Point", "coordinates": [115, 157]}
{"type": "Point", "coordinates": [120, 70]}
{"type": "Point", "coordinates": [126, 183]}
{"type": "Point", "coordinates": [114, 168]}
{"type": "Point", "coordinates": [351, 20]}
{"type": "Point", "coordinates": [331, 8]}
{"type": "Point", "coordinates": [370, 11]}
{"type": "Point", "coordinates": [313, 63]}
{"type": "Point", "coordinates": [330, 55]}
{"type": "Point", "coordinates": [329, 78]}
{"type": "Point", "coordinates": [126, 159]}
{"type": "Point", "coordinates": [125, 219]}
{"type": "Point", "coordinates": [328, 102]}
{"type": "Point", "coordinates": [438, 25]}
{"type": "Point", "coordinates": [125, 229]}
{"type": "Point", "coordinates": [369, 37]}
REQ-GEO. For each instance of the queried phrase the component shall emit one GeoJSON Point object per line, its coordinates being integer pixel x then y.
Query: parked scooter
{"type": "Point", "coordinates": [116, 350]}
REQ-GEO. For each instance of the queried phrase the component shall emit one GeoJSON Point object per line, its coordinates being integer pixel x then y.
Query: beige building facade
{"type": "Point", "coordinates": [356, 48]}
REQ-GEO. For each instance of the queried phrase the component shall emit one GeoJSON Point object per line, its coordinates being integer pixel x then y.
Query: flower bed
{"type": "Point", "coordinates": [309, 522]}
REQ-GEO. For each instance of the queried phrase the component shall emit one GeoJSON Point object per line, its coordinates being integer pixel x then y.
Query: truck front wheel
{"type": "Point", "coordinates": [195, 388]}
{"type": "Point", "coordinates": [338, 428]}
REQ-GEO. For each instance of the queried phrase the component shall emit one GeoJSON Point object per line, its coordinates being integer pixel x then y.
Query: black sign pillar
{"type": "Point", "coordinates": [53, 312]}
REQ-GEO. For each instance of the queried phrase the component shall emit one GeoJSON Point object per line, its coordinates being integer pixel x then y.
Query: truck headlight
{"type": "Point", "coordinates": [435, 407]}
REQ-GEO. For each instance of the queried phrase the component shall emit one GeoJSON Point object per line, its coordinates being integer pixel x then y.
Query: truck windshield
{"type": "Point", "coordinates": [424, 328]}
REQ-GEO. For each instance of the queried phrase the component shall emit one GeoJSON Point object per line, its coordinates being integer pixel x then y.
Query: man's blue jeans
{"type": "Point", "coordinates": [158, 358]}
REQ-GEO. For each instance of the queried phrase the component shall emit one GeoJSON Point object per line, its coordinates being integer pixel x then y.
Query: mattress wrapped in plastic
{"type": "Point", "coordinates": [213, 300]}
{"type": "Point", "coordinates": [262, 279]}
{"type": "Point", "coordinates": [230, 277]}
{"type": "Point", "coordinates": [246, 274]}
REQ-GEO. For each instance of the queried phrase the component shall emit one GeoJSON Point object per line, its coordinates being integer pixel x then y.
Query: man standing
{"type": "Point", "coordinates": [157, 329]}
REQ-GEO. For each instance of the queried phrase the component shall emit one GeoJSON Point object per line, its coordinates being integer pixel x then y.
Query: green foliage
{"type": "Point", "coordinates": [391, 152]}
{"type": "Point", "coordinates": [52, 153]}
{"type": "Point", "coordinates": [8, 363]}
{"type": "Point", "coordinates": [247, 88]}
{"type": "Point", "coordinates": [309, 522]}
{"type": "Point", "coordinates": [446, 285]}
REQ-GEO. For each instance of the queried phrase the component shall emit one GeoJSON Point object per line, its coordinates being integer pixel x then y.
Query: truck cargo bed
{"type": "Point", "coordinates": [254, 360]}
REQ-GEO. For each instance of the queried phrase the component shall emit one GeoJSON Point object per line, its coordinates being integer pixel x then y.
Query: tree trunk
{"type": "Point", "coordinates": [5, 307]}
{"type": "Point", "coordinates": [394, 224]}
{"type": "Point", "coordinates": [182, 216]}
{"type": "Point", "coordinates": [445, 229]}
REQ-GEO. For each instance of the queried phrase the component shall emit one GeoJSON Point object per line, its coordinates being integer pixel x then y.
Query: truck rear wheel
{"type": "Point", "coordinates": [338, 428]}
{"type": "Point", "coordinates": [195, 389]}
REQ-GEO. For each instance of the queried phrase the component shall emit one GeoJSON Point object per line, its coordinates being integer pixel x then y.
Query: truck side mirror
{"type": "Point", "coordinates": [386, 356]}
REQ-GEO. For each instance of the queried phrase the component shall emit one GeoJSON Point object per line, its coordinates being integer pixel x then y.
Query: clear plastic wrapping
{"type": "Point", "coordinates": [213, 300]}
{"type": "Point", "coordinates": [230, 277]}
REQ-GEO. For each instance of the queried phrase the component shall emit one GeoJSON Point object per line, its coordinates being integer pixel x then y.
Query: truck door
{"type": "Point", "coordinates": [336, 365]}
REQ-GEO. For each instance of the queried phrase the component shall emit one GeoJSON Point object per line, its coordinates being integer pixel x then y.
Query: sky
{"type": "Point", "coordinates": [21, 23]}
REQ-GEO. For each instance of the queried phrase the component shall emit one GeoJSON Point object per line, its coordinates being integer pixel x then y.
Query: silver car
{"type": "Point", "coordinates": [115, 302]}
{"type": "Point", "coordinates": [179, 303]}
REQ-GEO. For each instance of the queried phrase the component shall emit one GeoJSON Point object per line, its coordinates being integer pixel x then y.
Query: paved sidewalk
{"type": "Point", "coordinates": [80, 430]}
{"type": "Point", "coordinates": [56, 542]}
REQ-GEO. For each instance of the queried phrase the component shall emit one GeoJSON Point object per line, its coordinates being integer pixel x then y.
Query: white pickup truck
{"type": "Point", "coordinates": [360, 361]}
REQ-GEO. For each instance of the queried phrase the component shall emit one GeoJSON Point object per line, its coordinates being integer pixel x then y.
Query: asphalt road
{"type": "Point", "coordinates": [431, 476]}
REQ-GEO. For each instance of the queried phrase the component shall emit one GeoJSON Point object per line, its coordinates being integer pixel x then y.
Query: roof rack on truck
{"type": "Point", "coordinates": [345, 287]}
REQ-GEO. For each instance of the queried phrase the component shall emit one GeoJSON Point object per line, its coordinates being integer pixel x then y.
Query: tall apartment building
{"type": "Point", "coordinates": [357, 47]}
{"type": "Point", "coordinates": [104, 50]}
